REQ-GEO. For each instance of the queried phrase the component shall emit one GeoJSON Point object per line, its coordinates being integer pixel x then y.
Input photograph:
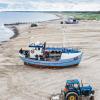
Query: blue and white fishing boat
{"type": "Point", "coordinates": [40, 55]}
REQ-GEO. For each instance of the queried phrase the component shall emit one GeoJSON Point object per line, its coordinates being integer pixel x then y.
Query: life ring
{"type": "Point", "coordinates": [32, 51]}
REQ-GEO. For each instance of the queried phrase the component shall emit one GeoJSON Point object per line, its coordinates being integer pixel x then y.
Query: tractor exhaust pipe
{"type": "Point", "coordinates": [81, 83]}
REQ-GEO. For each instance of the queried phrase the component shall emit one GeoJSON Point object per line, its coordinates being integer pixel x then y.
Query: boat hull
{"type": "Point", "coordinates": [57, 64]}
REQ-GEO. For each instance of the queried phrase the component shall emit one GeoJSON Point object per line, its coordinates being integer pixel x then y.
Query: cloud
{"type": "Point", "coordinates": [48, 5]}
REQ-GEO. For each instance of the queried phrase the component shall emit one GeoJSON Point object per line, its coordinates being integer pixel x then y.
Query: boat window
{"type": "Point", "coordinates": [38, 48]}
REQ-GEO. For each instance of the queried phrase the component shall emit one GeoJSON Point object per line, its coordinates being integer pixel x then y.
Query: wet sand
{"type": "Point", "coordinates": [20, 82]}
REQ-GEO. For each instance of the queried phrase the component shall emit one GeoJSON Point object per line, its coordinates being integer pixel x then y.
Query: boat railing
{"type": "Point", "coordinates": [61, 45]}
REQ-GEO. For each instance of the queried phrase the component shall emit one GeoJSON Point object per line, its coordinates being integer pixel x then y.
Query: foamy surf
{"type": "Point", "coordinates": [13, 17]}
{"type": "Point", "coordinates": [5, 33]}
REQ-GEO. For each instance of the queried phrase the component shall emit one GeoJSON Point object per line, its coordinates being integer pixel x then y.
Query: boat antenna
{"type": "Point", "coordinates": [44, 45]}
{"type": "Point", "coordinates": [64, 36]}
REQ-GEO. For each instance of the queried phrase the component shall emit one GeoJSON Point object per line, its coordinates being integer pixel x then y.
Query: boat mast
{"type": "Point", "coordinates": [64, 37]}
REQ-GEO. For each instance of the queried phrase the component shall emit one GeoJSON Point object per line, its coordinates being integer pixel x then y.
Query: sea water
{"type": "Point", "coordinates": [5, 33]}
{"type": "Point", "coordinates": [13, 17]}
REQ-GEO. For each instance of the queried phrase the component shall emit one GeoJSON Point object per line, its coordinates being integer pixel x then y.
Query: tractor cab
{"type": "Point", "coordinates": [72, 85]}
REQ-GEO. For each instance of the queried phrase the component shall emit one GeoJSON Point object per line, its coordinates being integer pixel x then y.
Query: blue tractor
{"type": "Point", "coordinates": [74, 90]}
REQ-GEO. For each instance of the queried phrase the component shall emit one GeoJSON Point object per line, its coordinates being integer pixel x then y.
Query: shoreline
{"type": "Point", "coordinates": [16, 32]}
{"type": "Point", "coordinates": [13, 27]}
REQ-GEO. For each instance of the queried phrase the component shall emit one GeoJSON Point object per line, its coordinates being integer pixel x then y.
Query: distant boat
{"type": "Point", "coordinates": [40, 55]}
{"type": "Point", "coordinates": [70, 20]}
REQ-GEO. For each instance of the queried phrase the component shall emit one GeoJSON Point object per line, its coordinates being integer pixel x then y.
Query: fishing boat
{"type": "Point", "coordinates": [38, 54]}
{"type": "Point", "coordinates": [70, 20]}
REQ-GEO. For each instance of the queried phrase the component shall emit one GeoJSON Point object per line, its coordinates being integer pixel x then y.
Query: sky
{"type": "Point", "coordinates": [49, 5]}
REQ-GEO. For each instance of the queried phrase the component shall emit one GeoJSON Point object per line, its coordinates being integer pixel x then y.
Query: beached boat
{"type": "Point", "coordinates": [70, 20]}
{"type": "Point", "coordinates": [40, 55]}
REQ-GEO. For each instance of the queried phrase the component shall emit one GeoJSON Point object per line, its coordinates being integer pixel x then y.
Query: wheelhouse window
{"type": "Point", "coordinates": [38, 48]}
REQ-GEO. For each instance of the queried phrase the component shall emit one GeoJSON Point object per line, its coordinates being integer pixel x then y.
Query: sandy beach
{"type": "Point", "coordinates": [21, 82]}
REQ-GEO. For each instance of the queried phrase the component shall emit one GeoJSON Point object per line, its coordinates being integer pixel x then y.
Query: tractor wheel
{"type": "Point", "coordinates": [72, 96]}
{"type": "Point", "coordinates": [92, 98]}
